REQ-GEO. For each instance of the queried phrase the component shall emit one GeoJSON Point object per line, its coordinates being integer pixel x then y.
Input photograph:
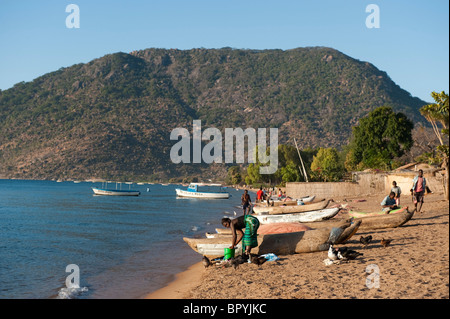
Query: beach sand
{"type": "Point", "coordinates": [415, 265]}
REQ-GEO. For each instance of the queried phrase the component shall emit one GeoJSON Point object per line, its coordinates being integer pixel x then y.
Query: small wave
{"type": "Point", "coordinates": [194, 228]}
{"type": "Point", "coordinates": [71, 293]}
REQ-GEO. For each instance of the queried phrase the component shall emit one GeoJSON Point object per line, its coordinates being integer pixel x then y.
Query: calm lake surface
{"type": "Point", "coordinates": [124, 246]}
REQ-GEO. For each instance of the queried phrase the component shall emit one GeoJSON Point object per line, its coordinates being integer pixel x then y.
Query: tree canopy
{"type": "Point", "coordinates": [379, 138]}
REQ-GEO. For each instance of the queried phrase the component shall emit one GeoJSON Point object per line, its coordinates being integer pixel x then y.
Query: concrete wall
{"type": "Point", "coordinates": [364, 184]}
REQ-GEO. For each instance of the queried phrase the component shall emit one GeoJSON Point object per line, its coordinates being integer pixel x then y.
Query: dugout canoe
{"type": "Point", "coordinates": [290, 209]}
{"type": "Point", "coordinates": [305, 217]}
{"type": "Point", "coordinates": [279, 244]}
{"type": "Point", "coordinates": [346, 235]}
{"type": "Point", "coordinates": [386, 221]}
{"type": "Point", "coordinates": [357, 214]}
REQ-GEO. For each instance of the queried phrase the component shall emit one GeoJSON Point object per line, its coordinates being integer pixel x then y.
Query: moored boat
{"type": "Point", "coordinates": [118, 191]}
{"type": "Point", "coordinates": [208, 191]}
{"type": "Point", "coordinates": [115, 192]}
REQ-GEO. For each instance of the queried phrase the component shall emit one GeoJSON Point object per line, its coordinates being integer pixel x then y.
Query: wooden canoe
{"type": "Point", "coordinates": [305, 217]}
{"type": "Point", "coordinates": [346, 235]}
{"type": "Point", "coordinates": [356, 214]}
{"type": "Point", "coordinates": [279, 244]}
{"type": "Point", "coordinates": [386, 221]}
{"type": "Point", "coordinates": [291, 209]}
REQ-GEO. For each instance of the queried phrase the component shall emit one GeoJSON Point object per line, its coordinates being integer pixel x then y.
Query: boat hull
{"type": "Point", "coordinates": [279, 244]}
{"type": "Point", "coordinates": [356, 214]}
{"type": "Point", "coordinates": [291, 209]}
{"type": "Point", "coordinates": [114, 192]}
{"type": "Point", "coordinates": [305, 217]}
{"type": "Point", "coordinates": [183, 193]}
{"type": "Point", "coordinates": [386, 221]}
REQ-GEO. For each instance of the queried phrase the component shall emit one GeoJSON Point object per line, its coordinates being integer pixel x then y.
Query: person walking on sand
{"type": "Point", "coordinates": [418, 190]}
{"type": "Point", "coordinates": [388, 203]}
{"type": "Point", "coordinates": [246, 202]}
{"type": "Point", "coordinates": [397, 190]}
{"type": "Point", "coordinates": [249, 238]}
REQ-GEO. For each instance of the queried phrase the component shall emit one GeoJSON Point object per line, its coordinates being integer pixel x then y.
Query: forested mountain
{"type": "Point", "coordinates": [112, 117]}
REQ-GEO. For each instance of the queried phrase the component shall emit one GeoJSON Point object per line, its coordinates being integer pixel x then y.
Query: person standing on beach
{"type": "Point", "coordinates": [418, 190]}
{"type": "Point", "coordinates": [259, 195]}
{"type": "Point", "coordinates": [397, 190]}
{"type": "Point", "coordinates": [246, 202]}
{"type": "Point", "coordinates": [249, 238]}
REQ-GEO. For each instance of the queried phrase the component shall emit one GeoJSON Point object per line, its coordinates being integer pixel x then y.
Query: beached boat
{"type": "Point", "coordinates": [293, 227]}
{"type": "Point", "coordinates": [279, 244]}
{"type": "Point", "coordinates": [290, 209]}
{"type": "Point", "coordinates": [356, 214]}
{"type": "Point", "coordinates": [386, 221]}
{"type": "Point", "coordinates": [304, 217]}
{"type": "Point", "coordinates": [282, 202]}
{"type": "Point", "coordinates": [207, 191]}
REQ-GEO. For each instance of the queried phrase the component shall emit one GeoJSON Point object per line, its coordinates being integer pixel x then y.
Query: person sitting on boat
{"type": "Point", "coordinates": [389, 203]}
{"type": "Point", "coordinates": [249, 238]}
{"type": "Point", "coordinates": [246, 202]}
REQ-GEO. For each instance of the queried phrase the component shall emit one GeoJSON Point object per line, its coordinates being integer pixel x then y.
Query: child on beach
{"type": "Point", "coordinates": [397, 190]}
{"type": "Point", "coordinates": [388, 203]}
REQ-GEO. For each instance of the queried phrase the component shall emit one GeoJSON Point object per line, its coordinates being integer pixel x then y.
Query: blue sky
{"type": "Point", "coordinates": [411, 44]}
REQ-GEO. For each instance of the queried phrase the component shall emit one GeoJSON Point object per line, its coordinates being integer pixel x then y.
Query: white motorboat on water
{"type": "Point", "coordinates": [212, 191]}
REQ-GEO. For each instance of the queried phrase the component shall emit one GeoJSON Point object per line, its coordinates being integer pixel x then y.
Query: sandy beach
{"type": "Point", "coordinates": [414, 266]}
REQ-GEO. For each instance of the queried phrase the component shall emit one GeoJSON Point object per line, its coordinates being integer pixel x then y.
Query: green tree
{"type": "Point", "coordinates": [326, 165]}
{"type": "Point", "coordinates": [438, 113]}
{"type": "Point", "coordinates": [234, 175]}
{"type": "Point", "coordinates": [379, 138]}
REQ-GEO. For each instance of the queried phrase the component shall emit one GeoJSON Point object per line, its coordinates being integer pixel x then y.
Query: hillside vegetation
{"type": "Point", "coordinates": [112, 117]}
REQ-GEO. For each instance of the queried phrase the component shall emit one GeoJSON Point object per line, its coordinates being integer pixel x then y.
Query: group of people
{"type": "Point", "coordinates": [392, 201]}
{"type": "Point", "coordinates": [245, 227]}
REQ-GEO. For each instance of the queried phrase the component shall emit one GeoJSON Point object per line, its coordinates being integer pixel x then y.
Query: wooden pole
{"type": "Point", "coordinates": [301, 160]}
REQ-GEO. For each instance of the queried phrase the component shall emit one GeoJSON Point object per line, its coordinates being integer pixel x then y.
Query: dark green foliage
{"type": "Point", "coordinates": [379, 138]}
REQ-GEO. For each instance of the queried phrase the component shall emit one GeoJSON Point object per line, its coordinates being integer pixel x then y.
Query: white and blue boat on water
{"type": "Point", "coordinates": [116, 192]}
{"type": "Point", "coordinates": [201, 190]}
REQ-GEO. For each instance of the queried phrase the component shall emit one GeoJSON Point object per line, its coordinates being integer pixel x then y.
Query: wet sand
{"type": "Point", "coordinates": [415, 265]}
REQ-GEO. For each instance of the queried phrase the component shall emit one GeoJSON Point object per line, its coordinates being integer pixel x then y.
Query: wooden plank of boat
{"type": "Point", "coordinates": [291, 209]}
{"type": "Point", "coordinates": [356, 214]}
{"type": "Point", "coordinates": [113, 192]}
{"type": "Point", "coordinates": [279, 244]}
{"type": "Point", "coordinates": [386, 221]}
{"type": "Point", "coordinates": [305, 217]}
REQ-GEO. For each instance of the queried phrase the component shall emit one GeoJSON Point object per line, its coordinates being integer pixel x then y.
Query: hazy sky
{"type": "Point", "coordinates": [411, 43]}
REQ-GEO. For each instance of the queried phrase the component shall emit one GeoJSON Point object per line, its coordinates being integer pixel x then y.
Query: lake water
{"type": "Point", "coordinates": [124, 247]}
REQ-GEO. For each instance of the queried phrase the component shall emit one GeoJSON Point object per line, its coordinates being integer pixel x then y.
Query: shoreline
{"type": "Point", "coordinates": [180, 287]}
{"type": "Point", "coordinates": [418, 258]}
